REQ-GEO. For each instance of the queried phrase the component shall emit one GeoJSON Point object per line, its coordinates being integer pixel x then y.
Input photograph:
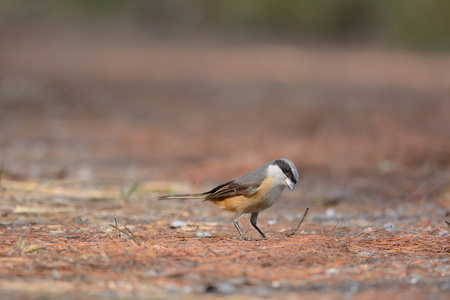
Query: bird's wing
{"type": "Point", "coordinates": [231, 189]}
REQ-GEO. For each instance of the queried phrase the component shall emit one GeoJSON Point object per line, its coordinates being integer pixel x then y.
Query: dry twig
{"type": "Point", "coordinates": [295, 229]}
{"type": "Point", "coordinates": [332, 229]}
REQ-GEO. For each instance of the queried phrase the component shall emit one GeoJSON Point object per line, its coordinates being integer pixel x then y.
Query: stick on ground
{"type": "Point", "coordinates": [295, 229]}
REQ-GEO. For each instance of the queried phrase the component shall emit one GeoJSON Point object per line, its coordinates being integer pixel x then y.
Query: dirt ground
{"type": "Point", "coordinates": [95, 123]}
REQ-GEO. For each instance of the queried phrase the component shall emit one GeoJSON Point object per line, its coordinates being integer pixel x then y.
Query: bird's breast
{"type": "Point", "coordinates": [268, 192]}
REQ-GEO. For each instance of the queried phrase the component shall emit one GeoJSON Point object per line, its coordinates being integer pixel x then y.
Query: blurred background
{"type": "Point", "coordinates": [151, 90]}
{"type": "Point", "coordinates": [105, 104]}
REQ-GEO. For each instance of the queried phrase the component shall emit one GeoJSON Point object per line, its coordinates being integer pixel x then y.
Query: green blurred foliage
{"type": "Point", "coordinates": [419, 24]}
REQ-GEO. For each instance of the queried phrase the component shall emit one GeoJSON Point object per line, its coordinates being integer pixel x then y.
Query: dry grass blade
{"type": "Point", "coordinates": [423, 243]}
{"type": "Point", "coordinates": [21, 244]}
{"type": "Point", "coordinates": [132, 236]}
{"type": "Point", "coordinates": [332, 229]}
{"type": "Point", "coordinates": [128, 233]}
{"type": "Point", "coordinates": [127, 196]}
{"type": "Point", "coordinates": [115, 222]}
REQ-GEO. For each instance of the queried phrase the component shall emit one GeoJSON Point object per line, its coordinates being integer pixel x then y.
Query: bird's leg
{"type": "Point", "coordinates": [254, 220]}
{"type": "Point", "coordinates": [236, 224]}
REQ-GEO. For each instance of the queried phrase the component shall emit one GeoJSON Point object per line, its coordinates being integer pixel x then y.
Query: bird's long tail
{"type": "Point", "coordinates": [181, 196]}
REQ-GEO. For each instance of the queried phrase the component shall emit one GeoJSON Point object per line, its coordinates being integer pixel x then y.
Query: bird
{"type": "Point", "coordinates": [251, 193]}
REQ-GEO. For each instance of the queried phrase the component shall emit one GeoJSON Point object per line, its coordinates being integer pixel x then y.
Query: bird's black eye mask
{"type": "Point", "coordinates": [286, 168]}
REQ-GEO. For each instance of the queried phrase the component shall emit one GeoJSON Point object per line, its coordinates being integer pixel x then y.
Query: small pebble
{"type": "Point", "coordinates": [389, 225]}
{"type": "Point", "coordinates": [172, 288]}
{"type": "Point", "coordinates": [151, 273]}
{"type": "Point", "coordinates": [178, 224]}
{"type": "Point", "coordinates": [365, 253]}
{"type": "Point", "coordinates": [414, 280]}
{"type": "Point", "coordinates": [56, 274]}
{"type": "Point", "coordinates": [332, 271]}
{"type": "Point", "coordinates": [272, 222]}
{"type": "Point", "coordinates": [276, 284]}
{"type": "Point", "coordinates": [203, 234]}
{"type": "Point", "coordinates": [330, 212]}
{"type": "Point", "coordinates": [226, 288]}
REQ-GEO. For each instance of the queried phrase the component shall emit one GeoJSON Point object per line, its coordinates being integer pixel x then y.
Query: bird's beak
{"type": "Point", "coordinates": [290, 184]}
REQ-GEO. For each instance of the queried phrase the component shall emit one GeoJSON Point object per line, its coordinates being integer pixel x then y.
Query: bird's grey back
{"type": "Point", "coordinates": [255, 177]}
